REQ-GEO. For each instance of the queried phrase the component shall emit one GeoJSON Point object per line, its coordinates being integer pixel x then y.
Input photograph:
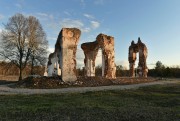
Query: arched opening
{"type": "Point", "coordinates": [80, 69]}
{"type": "Point", "coordinates": [94, 57]}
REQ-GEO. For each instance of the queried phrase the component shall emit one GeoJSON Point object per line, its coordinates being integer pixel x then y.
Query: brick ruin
{"type": "Point", "coordinates": [63, 60]}
{"type": "Point", "coordinates": [142, 65]}
{"type": "Point", "coordinates": [106, 43]}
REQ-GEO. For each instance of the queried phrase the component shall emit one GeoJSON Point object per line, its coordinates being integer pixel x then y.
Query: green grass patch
{"type": "Point", "coordinates": [153, 103]}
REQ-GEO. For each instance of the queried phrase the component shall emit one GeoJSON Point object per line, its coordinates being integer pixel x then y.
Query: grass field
{"type": "Point", "coordinates": [153, 103]}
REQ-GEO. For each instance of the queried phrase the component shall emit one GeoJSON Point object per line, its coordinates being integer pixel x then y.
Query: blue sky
{"type": "Point", "coordinates": [157, 22]}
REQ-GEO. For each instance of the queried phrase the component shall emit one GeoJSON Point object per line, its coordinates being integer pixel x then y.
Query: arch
{"type": "Point", "coordinates": [106, 43]}
{"type": "Point", "coordinates": [143, 52]}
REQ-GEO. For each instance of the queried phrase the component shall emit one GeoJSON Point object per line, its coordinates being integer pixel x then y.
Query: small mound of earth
{"type": "Point", "coordinates": [43, 82]}
{"type": "Point", "coordinates": [56, 82]}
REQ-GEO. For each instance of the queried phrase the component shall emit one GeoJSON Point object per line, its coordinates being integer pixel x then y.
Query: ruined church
{"type": "Point", "coordinates": [63, 60]}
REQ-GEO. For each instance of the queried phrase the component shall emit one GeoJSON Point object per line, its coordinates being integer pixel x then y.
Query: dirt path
{"type": "Point", "coordinates": [6, 90]}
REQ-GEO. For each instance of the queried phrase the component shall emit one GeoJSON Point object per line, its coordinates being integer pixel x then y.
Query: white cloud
{"type": "Point", "coordinates": [42, 14]}
{"type": "Point", "coordinates": [51, 49]}
{"type": "Point", "coordinates": [82, 2]}
{"type": "Point", "coordinates": [80, 64]}
{"type": "Point", "coordinates": [87, 29]}
{"type": "Point", "coordinates": [0, 33]}
{"type": "Point", "coordinates": [18, 5]}
{"type": "Point", "coordinates": [98, 61]}
{"type": "Point", "coordinates": [95, 24]}
{"type": "Point", "coordinates": [55, 26]}
{"type": "Point", "coordinates": [124, 63]}
{"type": "Point", "coordinates": [88, 16]}
{"type": "Point", "coordinates": [67, 13]}
{"type": "Point", "coordinates": [51, 38]}
{"type": "Point", "coordinates": [80, 58]}
{"type": "Point", "coordinates": [71, 23]}
{"type": "Point", "coordinates": [1, 16]}
{"type": "Point", "coordinates": [51, 16]}
{"type": "Point", "coordinates": [99, 2]}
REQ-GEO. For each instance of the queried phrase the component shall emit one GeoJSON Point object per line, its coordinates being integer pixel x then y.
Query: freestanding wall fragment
{"type": "Point", "coordinates": [133, 49]}
{"type": "Point", "coordinates": [65, 51]}
{"type": "Point", "coordinates": [106, 43]}
{"type": "Point", "coordinates": [143, 52]}
{"type": "Point", "coordinates": [53, 65]}
{"type": "Point", "coordinates": [90, 51]}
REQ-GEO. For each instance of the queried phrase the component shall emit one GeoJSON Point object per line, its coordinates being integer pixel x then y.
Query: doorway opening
{"type": "Point", "coordinates": [99, 64]}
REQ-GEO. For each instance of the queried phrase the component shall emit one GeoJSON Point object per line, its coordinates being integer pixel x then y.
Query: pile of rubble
{"type": "Point", "coordinates": [41, 82]}
{"type": "Point", "coordinates": [56, 82]}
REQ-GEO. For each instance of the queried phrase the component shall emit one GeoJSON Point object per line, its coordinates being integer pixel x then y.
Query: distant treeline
{"type": "Point", "coordinates": [162, 71]}
{"type": "Point", "coordinates": [159, 71]}
{"type": "Point", "coordinates": [12, 70]}
{"type": "Point", "coordinates": [165, 72]}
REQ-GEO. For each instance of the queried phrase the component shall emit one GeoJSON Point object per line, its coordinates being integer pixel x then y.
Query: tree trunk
{"type": "Point", "coordinates": [32, 66]}
{"type": "Point", "coordinates": [20, 70]}
{"type": "Point", "coordinates": [20, 65]}
{"type": "Point", "coordinates": [20, 74]}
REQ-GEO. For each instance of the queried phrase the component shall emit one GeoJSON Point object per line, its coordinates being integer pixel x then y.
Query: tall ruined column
{"type": "Point", "coordinates": [90, 64]}
{"type": "Point", "coordinates": [106, 43]}
{"type": "Point", "coordinates": [131, 70]}
{"type": "Point", "coordinates": [65, 49]}
{"type": "Point", "coordinates": [143, 52]}
{"type": "Point", "coordinates": [103, 63]}
{"type": "Point", "coordinates": [90, 51]}
{"type": "Point", "coordinates": [133, 48]}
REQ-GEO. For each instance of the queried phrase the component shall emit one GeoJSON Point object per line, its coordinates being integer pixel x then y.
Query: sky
{"type": "Point", "coordinates": [156, 22]}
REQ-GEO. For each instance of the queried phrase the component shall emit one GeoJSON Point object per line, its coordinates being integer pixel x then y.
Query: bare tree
{"type": "Point", "coordinates": [20, 40]}
{"type": "Point", "coordinates": [37, 43]}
